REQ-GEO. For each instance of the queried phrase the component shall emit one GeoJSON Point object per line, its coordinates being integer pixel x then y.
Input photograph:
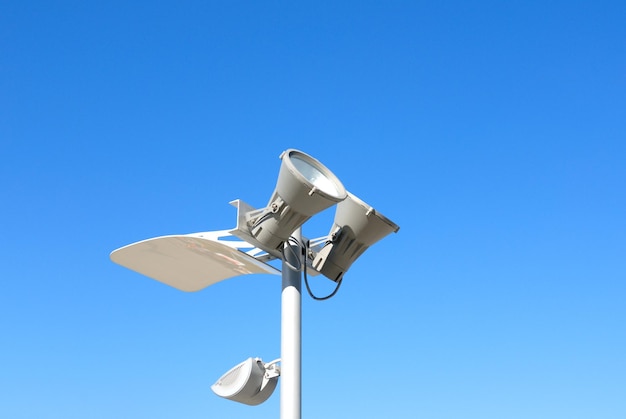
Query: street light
{"type": "Point", "coordinates": [192, 262]}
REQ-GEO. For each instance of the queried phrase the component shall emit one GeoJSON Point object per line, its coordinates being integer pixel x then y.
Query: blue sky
{"type": "Point", "coordinates": [493, 133]}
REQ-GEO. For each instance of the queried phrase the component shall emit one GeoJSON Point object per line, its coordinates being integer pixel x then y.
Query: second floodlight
{"type": "Point", "coordinates": [304, 188]}
{"type": "Point", "coordinates": [357, 226]}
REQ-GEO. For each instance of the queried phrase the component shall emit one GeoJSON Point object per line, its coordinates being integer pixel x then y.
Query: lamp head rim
{"type": "Point", "coordinates": [337, 195]}
{"type": "Point", "coordinates": [368, 208]}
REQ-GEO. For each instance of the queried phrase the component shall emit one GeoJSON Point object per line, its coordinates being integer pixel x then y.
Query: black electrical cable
{"type": "Point", "coordinates": [304, 246]}
{"type": "Point", "coordinates": [301, 246]}
{"type": "Point", "coordinates": [332, 294]}
{"type": "Point", "coordinates": [263, 217]}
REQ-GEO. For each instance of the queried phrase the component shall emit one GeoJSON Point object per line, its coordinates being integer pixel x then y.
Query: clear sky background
{"type": "Point", "coordinates": [493, 133]}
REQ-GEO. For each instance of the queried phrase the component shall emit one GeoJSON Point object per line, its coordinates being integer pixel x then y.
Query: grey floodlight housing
{"type": "Point", "coordinates": [250, 382]}
{"type": "Point", "coordinates": [304, 188]}
{"type": "Point", "coordinates": [357, 226]}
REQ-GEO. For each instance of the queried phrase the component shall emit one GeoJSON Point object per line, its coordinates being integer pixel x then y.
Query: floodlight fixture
{"type": "Point", "coordinates": [191, 262]}
{"type": "Point", "coordinates": [356, 227]}
{"type": "Point", "coordinates": [251, 382]}
{"type": "Point", "coordinates": [304, 188]}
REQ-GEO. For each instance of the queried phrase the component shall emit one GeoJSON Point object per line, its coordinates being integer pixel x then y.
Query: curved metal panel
{"type": "Point", "coordinates": [188, 263]}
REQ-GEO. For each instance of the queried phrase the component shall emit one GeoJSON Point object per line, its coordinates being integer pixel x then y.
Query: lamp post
{"type": "Point", "coordinates": [291, 330]}
{"type": "Point", "coordinates": [191, 262]}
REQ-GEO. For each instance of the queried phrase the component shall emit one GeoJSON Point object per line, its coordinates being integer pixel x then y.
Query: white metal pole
{"type": "Point", "coordinates": [291, 330]}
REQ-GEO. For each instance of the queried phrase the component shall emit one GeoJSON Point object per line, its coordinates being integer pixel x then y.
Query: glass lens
{"type": "Point", "coordinates": [315, 176]}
